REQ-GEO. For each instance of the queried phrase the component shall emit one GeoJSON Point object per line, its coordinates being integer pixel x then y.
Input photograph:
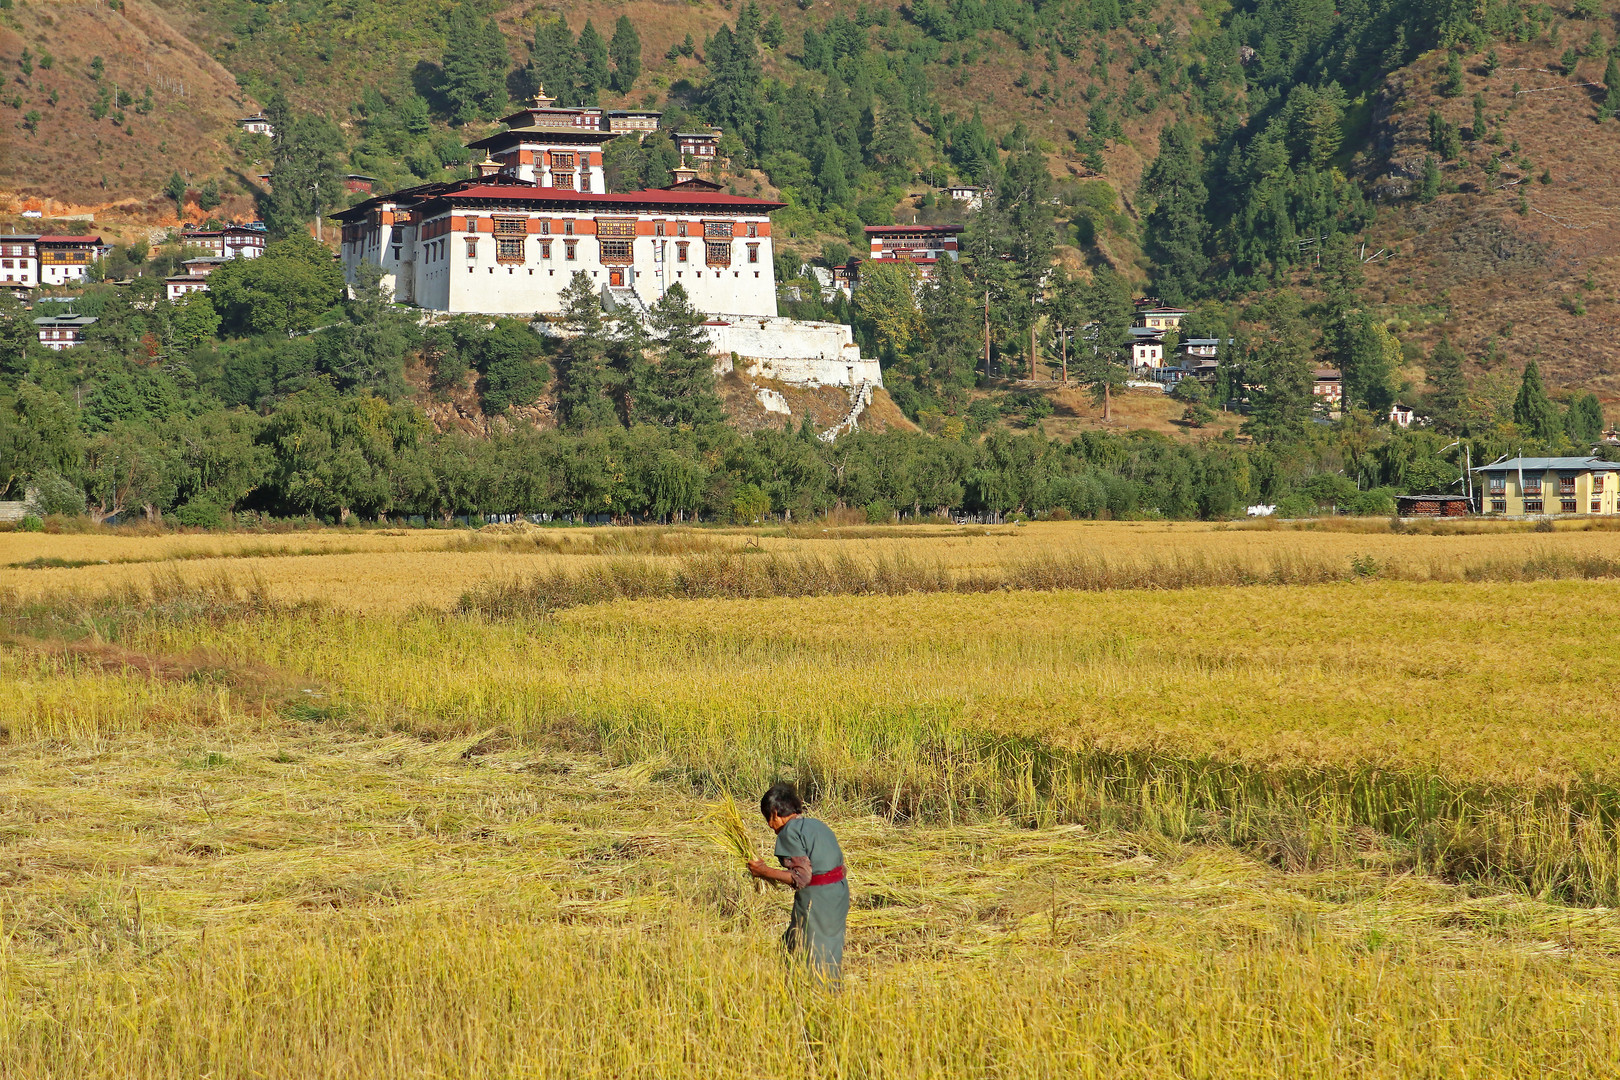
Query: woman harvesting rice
{"type": "Point", "coordinates": [813, 864]}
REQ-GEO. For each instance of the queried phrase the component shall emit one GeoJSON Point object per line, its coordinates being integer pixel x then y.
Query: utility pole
{"type": "Point", "coordinates": [316, 188]}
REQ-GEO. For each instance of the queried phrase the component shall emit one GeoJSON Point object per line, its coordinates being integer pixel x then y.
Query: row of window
{"type": "Point", "coordinates": [1566, 486]}
{"type": "Point", "coordinates": [517, 226]}
{"type": "Point", "coordinates": [511, 249]}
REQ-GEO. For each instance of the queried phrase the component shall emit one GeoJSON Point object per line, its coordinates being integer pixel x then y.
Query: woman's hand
{"type": "Point", "coordinates": [759, 869]}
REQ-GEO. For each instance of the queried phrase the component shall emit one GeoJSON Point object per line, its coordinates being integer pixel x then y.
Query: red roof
{"type": "Point", "coordinates": [649, 195]}
{"type": "Point", "coordinates": [884, 229]}
{"type": "Point", "coordinates": [68, 240]}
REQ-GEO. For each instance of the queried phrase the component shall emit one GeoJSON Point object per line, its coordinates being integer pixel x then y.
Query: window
{"type": "Point", "coordinates": [680, 252]}
{"type": "Point", "coordinates": [510, 226]}
{"type": "Point", "coordinates": [616, 227]}
{"type": "Point", "coordinates": [545, 249]}
{"type": "Point", "coordinates": [569, 249]}
{"type": "Point", "coordinates": [564, 180]}
{"type": "Point", "coordinates": [568, 226]}
{"type": "Point", "coordinates": [658, 228]}
{"type": "Point", "coordinates": [545, 228]}
{"type": "Point", "coordinates": [561, 161]}
{"type": "Point", "coordinates": [1498, 483]}
{"type": "Point", "coordinates": [717, 254]}
{"type": "Point", "coordinates": [615, 251]}
{"type": "Point", "coordinates": [472, 247]}
{"type": "Point", "coordinates": [508, 250]}
{"type": "Point", "coordinates": [753, 253]}
{"type": "Point", "coordinates": [753, 228]}
{"type": "Point", "coordinates": [680, 229]}
{"type": "Point", "coordinates": [718, 229]}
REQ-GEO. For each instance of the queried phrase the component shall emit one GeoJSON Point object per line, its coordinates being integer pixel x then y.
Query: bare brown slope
{"type": "Point", "coordinates": [80, 163]}
{"type": "Point", "coordinates": [1506, 266]}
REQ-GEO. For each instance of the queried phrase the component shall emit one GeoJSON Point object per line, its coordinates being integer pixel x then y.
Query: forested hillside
{"type": "Point", "coordinates": [1416, 194]}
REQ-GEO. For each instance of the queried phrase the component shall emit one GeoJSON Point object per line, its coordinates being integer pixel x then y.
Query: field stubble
{"type": "Point", "coordinates": [1257, 831]}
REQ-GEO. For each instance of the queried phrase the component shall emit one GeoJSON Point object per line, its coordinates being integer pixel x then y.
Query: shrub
{"type": "Point", "coordinates": [1377, 502]}
{"type": "Point", "coordinates": [200, 514]}
{"type": "Point", "coordinates": [54, 493]}
{"type": "Point", "coordinates": [31, 523]}
{"type": "Point", "coordinates": [1297, 505]}
{"type": "Point", "coordinates": [879, 513]}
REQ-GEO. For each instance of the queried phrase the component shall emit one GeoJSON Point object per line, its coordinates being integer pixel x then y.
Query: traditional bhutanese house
{"type": "Point", "coordinates": [703, 145]}
{"type": "Point", "coordinates": [1549, 485]}
{"type": "Point", "coordinates": [628, 120]}
{"type": "Point", "coordinates": [1203, 348]}
{"type": "Point", "coordinates": [257, 124]}
{"type": "Point", "coordinates": [231, 242]}
{"type": "Point", "coordinates": [359, 184]}
{"type": "Point", "coordinates": [1328, 389]}
{"type": "Point", "coordinates": [552, 147]}
{"type": "Point", "coordinates": [1161, 318]}
{"type": "Point", "coordinates": [924, 245]}
{"type": "Point", "coordinates": [845, 277]}
{"type": "Point", "coordinates": [195, 279]}
{"type": "Point", "coordinates": [19, 264]}
{"type": "Point", "coordinates": [1432, 506]}
{"type": "Point", "coordinates": [1401, 416]}
{"type": "Point", "coordinates": [64, 259]}
{"type": "Point", "coordinates": [59, 332]}
{"type": "Point", "coordinates": [966, 193]}
{"type": "Point", "coordinates": [1147, 348]}
{"type": "Point", "coordinates": [497, 245]}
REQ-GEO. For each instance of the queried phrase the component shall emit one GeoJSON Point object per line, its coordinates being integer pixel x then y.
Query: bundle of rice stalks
{"type": "Point", "coordinates": [731, 833]}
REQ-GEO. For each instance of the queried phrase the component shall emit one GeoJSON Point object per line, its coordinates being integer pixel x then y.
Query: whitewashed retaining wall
{"type": "Point", "coordinates": [792, 351]}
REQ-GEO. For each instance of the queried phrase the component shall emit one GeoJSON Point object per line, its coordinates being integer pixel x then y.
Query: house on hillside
{"type": "Point", "coordinates": [1147, 348]}
{"type": "Point", "coordinates": [231, 242]}
{"type": "Point", "coordinates": [257, 124]}
{"type": "Point", "coordinates": [58, 332]}
{"type": "Point", "coordinates": [702, 145]}
{"type": "Point", "coordinates": [195, 277]}
{"type": "Point", "coordinates": [19, 264]}
{"type": "Point", "coordinates": [921, 245]}
{"type": "Point", "coordinates": [358, 183]}
{"type": "Point", "coordinates": [972, 197]}
{"type": "Point", "coordinates": [1404, 416]}
{"type": "Point", "coordinates": [637, 120]}
{"type": "Point", "coordinates": [1327, 390]}
{"type": "Point", "coordinates": [1549, 485]}
{"type": "Point", "coordinates": [65, 260]}
{"type": "Point", "coordinates": [1160, 318]}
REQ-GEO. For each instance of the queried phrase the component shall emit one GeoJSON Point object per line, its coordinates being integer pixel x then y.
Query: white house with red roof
{"type": "Point", "coordinates": [19, 263]}
{"type": "Point", "coordinates": [923, 245]}
{"type": "Point", "coordinates": [230, 242]}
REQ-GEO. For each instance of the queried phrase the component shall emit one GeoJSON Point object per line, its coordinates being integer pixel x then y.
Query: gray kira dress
{"type": "Point", "coordinates": [808, 847]}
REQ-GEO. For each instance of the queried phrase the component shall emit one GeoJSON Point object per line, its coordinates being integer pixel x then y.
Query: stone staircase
{"type": "Point", "coordinates": [623, 298]}
{"type": "Point", "coordinates": [859, 398]}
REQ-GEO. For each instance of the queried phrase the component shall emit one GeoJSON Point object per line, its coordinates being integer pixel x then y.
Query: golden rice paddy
{"type": "Point", "coordinates": [1363, 828]}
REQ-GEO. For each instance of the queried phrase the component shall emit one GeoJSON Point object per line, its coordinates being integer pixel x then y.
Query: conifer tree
{"type": "Point", "coordinates": [475, 63]}
{"type": "Point", "coordinates": [1448, 386]}
{"type": "Point", "coordinates": [1533, 410]}
{"type": "Point", "coordinates": [1584, 421]}
{"type": "Point", "coordinates": [583, 375]}
{"type": "Point", "coordinates": [1611, 85]}
{"type": "Point", "coordinates": [304, 176]}
{"type": "Point", "coordinates": [1176, 226]}
{"type": "Point", "coordinates": [625, 51]}
{"type": "Point", "coordinates": [592, 68]}
{"type": "Point", "coordinates": [683, 390]}
{"type": "Point", "coordinates": [553, 62]}
{"type": "Point", "coordinates": [1101, 360]}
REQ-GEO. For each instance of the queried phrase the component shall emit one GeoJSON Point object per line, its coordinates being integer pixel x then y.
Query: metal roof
{"type": "Point", "coordinates": [1547, 464]}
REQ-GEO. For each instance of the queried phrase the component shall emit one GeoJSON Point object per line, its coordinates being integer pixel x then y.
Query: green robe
{"type": "Point", "coordinates": [816, 927]}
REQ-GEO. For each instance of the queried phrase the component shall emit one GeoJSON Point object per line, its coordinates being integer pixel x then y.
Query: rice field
{"type": "Point", "coordinates": [1358, 826]}
{"type": "Point", "coordinates": [398, 569]}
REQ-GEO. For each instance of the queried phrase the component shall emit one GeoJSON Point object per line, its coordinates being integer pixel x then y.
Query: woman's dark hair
{"type": "Point", "coordinates": [781, 800]}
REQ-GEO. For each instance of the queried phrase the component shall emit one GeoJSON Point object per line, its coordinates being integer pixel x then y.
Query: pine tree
{"type": "Point", "coordinates": [1448, 386]}
{"type": "Point", "coordinates": [1611, 84]}
{"type": "Point", "coordinates": [475, 63]}
{"type": "Point", "coordinates": [1584, 421]}
{"type": "Point", "coordinates": [1101, 360]}
{"type": "Point", "coordinates": [583, 376]}
{"type": "Point", "coordinates": [1533, 410]}
{"type": "Point", "coordinates": [175, 189]}
{"type": "Point", "coordinates": [592, 70]}
{"type": "Point", "coordinates": [553, 62]}
{"type": "Point", "coordinates": [625, 51]}
{"type": "Point", "coordinates": [1429, 188]}
{"type": "Point", "coordinates": [1176, 226]}
{"type": "Point", "coordinates": [683, 380]}
{"type": "Point", "coordinates": [893, 147]}
{"type": "Point", "coordinates": [208, 197]}
{"type": "Point", "coordinates": [304, 176]}
{"type": "Point", "coordinates": [1451, 83]}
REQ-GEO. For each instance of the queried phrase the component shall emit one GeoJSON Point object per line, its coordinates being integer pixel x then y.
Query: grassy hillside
{"type": "Point", "coordinates": [102, 105]}
{"type": "Point", "coordinates": [1520, 266]}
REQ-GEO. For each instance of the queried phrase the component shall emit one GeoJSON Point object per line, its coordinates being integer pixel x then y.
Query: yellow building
{"type": "Point", "coordinates": [1563, 485]}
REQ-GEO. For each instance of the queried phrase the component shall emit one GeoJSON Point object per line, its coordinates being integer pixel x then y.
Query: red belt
{"type": "Point", "coordinates": [831, 877]}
